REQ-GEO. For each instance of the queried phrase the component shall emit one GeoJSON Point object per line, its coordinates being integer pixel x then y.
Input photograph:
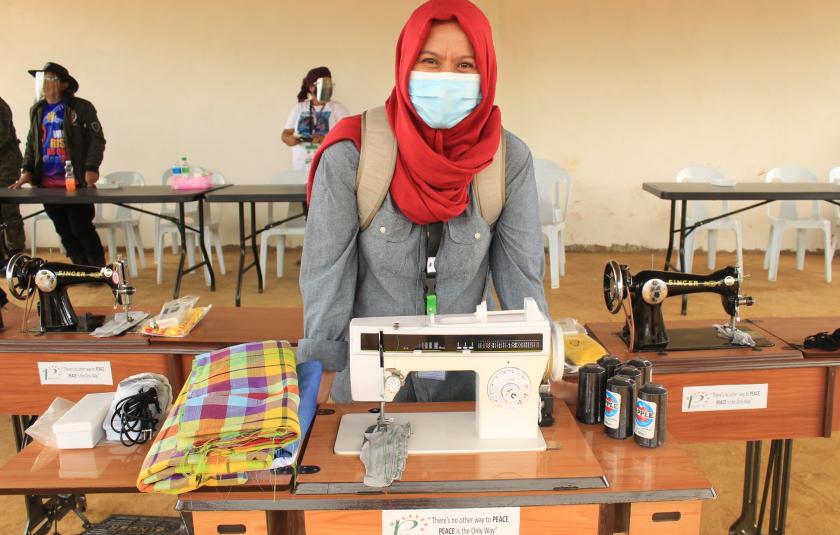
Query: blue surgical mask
{"type": "Point", "coordinates": [444, 99]}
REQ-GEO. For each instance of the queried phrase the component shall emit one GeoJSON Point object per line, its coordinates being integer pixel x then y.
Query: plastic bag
{"type": "Point", "coordinates": [181, 330]}
{"type": "Point", "coordinates": [41, 430]}
{"type": "Point", "coordinates": [174, 312]}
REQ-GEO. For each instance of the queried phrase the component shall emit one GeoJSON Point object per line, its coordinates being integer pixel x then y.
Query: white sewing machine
{"type": "Point", "coordinates": [508, 351]}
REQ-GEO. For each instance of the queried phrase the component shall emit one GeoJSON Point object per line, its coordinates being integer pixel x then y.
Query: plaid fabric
{"type": "Point", "coordinates": [239, 405]}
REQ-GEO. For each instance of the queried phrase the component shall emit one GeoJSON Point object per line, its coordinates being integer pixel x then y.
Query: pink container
{"type": "Point", "coordinates": [192, 182]}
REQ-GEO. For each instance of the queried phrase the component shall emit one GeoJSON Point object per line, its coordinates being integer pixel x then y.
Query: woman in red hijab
{"type": "Point", "coordinates": [447, 129]}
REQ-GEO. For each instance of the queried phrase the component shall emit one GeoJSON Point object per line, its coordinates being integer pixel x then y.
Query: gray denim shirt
{"type": "Point", "coordinates": [346, 273]}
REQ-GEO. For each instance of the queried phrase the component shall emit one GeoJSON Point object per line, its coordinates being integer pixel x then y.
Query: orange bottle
{"type": "Point", "coordinates": [69, 176]}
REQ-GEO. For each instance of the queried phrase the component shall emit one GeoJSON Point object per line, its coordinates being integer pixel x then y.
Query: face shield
{"type": "Point", "coordinates": [39, 86]}
{"type": "Point", "coordinates": [323, 89]}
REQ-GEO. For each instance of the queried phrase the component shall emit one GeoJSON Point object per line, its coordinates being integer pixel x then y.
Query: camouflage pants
{"type": "Point", "coordinates": [15, 239]}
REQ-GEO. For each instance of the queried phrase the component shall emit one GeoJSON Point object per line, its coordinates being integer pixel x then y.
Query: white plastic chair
{"type": "Point", "coordinates": [33, 233]}
{"type": "Point", "coordinates": [124, 219]}
{"type": "Point", "coordinates": [699, 210]}
{"type": "Point", "coordinates": [295, 227]}
{"type": "Point", "coordinates": [212, 237]}
{"type": "Point", "coordinates": [834, 178]}
{"type": "Point", "coordinates": [787, 217]}
{"type": "Point", "coordinates": [554, 189]}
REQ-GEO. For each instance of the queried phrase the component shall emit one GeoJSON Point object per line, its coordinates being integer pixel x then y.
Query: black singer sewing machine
{"type": "Point", "coordinates": [641, 297]}
{"type": "Point", "coordinates": [25, 275]}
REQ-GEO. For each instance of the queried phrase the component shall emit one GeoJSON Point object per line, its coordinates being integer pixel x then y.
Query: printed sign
{"type": "Point", "coordinates": [75, 373]}
{"type": "Point", "coordinates": [495, 521]}
{"type": "Point", "coordinates": [612, 406]}
{"type": "Point", "coordinates": [645, 425]}
{"type": "Point", "coordinates": [724, 397]}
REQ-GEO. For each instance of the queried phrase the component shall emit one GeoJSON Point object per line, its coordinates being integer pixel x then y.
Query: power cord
{"type": "Point", "coordinates": [823, 340]}
{"type": "Point", "coordinates": [135, 417]}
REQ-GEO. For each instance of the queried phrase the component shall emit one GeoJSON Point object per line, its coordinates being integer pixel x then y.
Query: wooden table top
{"type": "Point", "coordinates": [41, 469]}
{"type": "Point", "coordinates": [634, 473]}
{"type": "Point", "coordinates": [222, 327]}
{"type": "Point", "coordinates": [226, 326]}
{"type": "Point", "coordinates": [108, 468]}
{"type": "Point", "coordinates": [566, 460]}
{"type": "Point", "coordinates": [780, 354]}
{"type": "Point", "coordinates": [794, 331]}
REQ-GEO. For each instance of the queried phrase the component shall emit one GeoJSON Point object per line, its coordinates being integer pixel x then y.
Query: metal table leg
{"type": "Point", "coordinates": [781, 487]}
{"type": "Point", "coordinates": [670, 250]}
{"type": "Point", "coordinates": [201, 237]}
{"type": "Point", "coordinates": [18, 426]}
{"type": "Point", "coordinates": [43, 512]}
{"type": "Point", "coordinates": [746, 524]}
{"type": "Point", "coordinates": [182, 231]}
{"type": "Point", "coordinates": [683, 206]}
{"type": "Point", "coordinates": [254, 249]}
{"type": "Point", "coordinates": [776, 488]}
{"type": "Point", "coordinates": [241, 271]}
{"type": "Point", "coordinates": [768, 477]}
{"type": "Point", "coordinates": [243, 239]}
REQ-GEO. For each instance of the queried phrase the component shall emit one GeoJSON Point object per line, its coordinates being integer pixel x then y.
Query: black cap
{"type": "Point", "coordinates": [61, 72]}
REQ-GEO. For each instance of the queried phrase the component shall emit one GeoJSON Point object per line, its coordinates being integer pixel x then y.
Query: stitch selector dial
{"type": "Point", "coordinates": [509, 387]}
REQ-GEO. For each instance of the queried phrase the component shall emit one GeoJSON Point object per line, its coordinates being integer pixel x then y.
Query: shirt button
{"type": "Point", "coordinates": [382, 230]}
{"type": "Point", "coordinates": [478, 235]}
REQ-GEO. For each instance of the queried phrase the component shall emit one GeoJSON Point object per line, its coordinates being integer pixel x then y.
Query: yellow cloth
{"type": "Point", "coordinates": [582, 349]}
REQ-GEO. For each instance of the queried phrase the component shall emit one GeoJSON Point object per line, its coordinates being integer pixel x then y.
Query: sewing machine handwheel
{"type": "Point", "coordinates": [16, 276]}
{"type": "Point", "coordinates": [614, 286]}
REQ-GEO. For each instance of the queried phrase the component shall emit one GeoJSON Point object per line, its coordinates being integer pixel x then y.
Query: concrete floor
{"type": "Point", "coordinates": [816, 464]}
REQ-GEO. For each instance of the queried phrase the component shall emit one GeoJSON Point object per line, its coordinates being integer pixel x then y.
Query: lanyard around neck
{"type": "Point", "coordinates": [315, 120]}
{"type": "Point", "coordinates": [433, 235]}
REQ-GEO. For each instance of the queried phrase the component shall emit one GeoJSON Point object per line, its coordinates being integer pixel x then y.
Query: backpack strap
{"type": "Point", "coordinates": [377, 160]}
{"type": "Point", "coordinates": [489, 186]}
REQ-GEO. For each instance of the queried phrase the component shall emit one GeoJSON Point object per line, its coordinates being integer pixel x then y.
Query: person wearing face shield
{"type": "Point", "coordinates": [10, 161]}
{"type": "Point", "coordinates": [448, 131]}
{"type": "Point", "coordinates": [312, 117]}
{"type": "Point", "coordinates": [64, 127]}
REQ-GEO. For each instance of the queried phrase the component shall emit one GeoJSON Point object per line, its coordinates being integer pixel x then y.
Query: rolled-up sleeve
{"type": "Point", "coordinates": [517, 258]}
{"type": "Point", "coordinates": [329, 264]}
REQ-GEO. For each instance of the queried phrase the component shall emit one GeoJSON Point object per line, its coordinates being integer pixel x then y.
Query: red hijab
{"type": "Point", "coordinates": [434, 167]}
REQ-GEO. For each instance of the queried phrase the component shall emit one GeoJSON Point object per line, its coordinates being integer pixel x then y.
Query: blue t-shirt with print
{"type": "Point", "coordinates": [54, 144]}
{"type": "Point", "coordinates": [314, 123]}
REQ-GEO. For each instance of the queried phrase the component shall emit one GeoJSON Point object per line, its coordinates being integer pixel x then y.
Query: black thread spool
{"type": "Point", "coordinates": [651, 416]}
{"type": "Point", "coordinates": [592, 380]}
{"type": "Point", "coordinates": [618, 407]}
{"type": "Point", "coordinates": [633, 373]}
{"type": "Point", "coordinates": [610, 363]}
{"type": "Point", "coordinates": [645, 366]}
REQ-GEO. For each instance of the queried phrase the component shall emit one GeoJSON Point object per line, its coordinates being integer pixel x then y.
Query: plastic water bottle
{"type": "Point", "coordinates": [185, 166]}
{"type": "Point", "coordinates": [69, 176]}
{"type": "Point", "coordinates": [176, 169]}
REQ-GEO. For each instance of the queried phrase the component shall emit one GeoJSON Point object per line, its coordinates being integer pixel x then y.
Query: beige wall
{"type": "Point", "coordinates": [624, 92]}
{"type": "Point", "coordinates": [617, 92]}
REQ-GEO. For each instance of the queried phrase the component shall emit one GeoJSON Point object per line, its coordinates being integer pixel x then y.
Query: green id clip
{"type": "Point", "coordinates": [431, 304]}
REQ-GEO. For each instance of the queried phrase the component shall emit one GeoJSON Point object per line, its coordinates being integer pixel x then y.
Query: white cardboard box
{"type": "Point", "coordinates": [81, 426]}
